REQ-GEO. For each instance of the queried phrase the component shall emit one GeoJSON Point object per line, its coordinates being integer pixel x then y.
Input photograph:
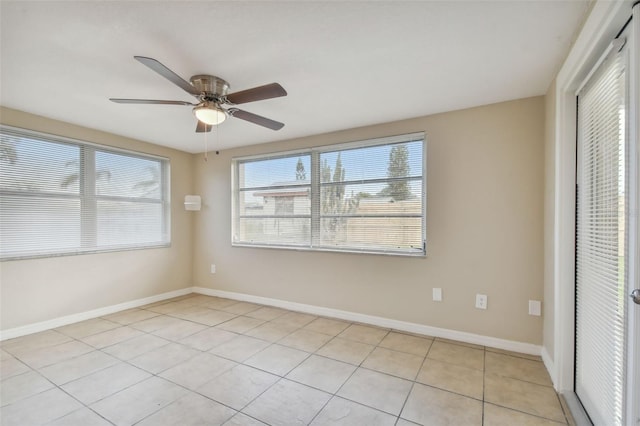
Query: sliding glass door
{"type": "Point", "coordinates": [606, 357]}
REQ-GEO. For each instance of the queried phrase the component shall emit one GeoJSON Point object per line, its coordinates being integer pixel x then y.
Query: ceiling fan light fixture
{"type": "Point", "coordinates": [210, 113]}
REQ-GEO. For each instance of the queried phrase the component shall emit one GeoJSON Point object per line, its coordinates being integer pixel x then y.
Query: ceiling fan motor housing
{"type": "Point", "coordinates": [212, 87]}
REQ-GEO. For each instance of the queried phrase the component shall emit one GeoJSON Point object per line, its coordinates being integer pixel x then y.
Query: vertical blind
{"type": "Point", "coordinates": [61, 196]}
{"type": "Point", "coordinates": [601, 246]}
{"type": "Point", "coordinates": [365, 196]}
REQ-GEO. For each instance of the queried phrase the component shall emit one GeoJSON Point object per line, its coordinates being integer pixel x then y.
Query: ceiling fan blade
{"type": "Point", "coordinates": [202, 127]}
{"type": "Point", "coordinates": [255, 119]}
{"type": "Point", "coordinates": [268, 91]}
{"type": "Point", "coordinates": [168, 74]}
{"type": "Point", "coordinates": [149, 101]}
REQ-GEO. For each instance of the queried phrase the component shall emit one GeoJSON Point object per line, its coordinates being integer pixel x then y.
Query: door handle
{"type": "Point", "coordinates": [635, 296]}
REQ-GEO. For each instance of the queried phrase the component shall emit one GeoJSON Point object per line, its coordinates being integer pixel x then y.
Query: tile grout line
{"type": "Point", "coordinates": [178, 342]}
{"type": "Point", "coordinates": [524, 412]}
{"type": "Point", "coordinates": [59, 387]}
{"type": "Point", "coordinates": [335, 394]}
{"type": "Point", "coordinates": [157, 375]}
{"type": "Point", "coordinates": [37, 370]}
{"type": "Point", "coordinates": [484, 373]}
{"type": "Point", "coordinates": [237, 363]}
{"type": "Point", "coordinates": [297, 328]}
{"type": "Point", "coordinates": [413, 384]}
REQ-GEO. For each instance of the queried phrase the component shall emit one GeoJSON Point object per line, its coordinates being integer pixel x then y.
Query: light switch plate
{"type": "Point", "coordinates": [535, 308]}
{"type": "Point", "coordinates": [437, 295]}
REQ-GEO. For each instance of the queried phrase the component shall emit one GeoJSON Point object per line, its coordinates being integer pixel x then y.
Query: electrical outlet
{"type": "Point", "coordinates": [535, 308]}
{"type": "Point", "coordinates": [437, 295]}
{"type": "Point", "coordinates": [213, 268]}
{"type": "Point", "coordinates": [481, 301]}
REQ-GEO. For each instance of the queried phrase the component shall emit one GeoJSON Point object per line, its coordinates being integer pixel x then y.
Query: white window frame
{"type": "Point", "coordinates": [314, 188]}
{"type": "Point", "coordinates": [89, 200]}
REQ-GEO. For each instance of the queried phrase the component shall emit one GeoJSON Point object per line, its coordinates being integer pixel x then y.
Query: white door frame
{"type": "Point", "coordinates": [633, 366]}
{"type": "Point", "coordinates": [603, 24]}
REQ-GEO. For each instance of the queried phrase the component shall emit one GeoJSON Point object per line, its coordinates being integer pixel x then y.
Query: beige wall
{"type": "Point", "coordinates": [549, 220]}
{"type": "Point", "coordinates": [484, 223]}
{"type": "Point", "coordinates": [485, 235]}
{"type": "Point", "coordinates": [43, 289]}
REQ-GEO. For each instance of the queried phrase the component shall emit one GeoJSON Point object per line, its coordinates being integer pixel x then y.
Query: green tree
{"type": "Point", "coordinates": [151, 185]}
{"type": "Point", "coordinates": [326, 196]}
{"type": "Point", "coordinates": [301, 174]}
{"type": "Point", "coordinates": [398, 167]}
{"type": "Point", "coordinates": [338, 176]}
{"type": "Point", "coordinates": [333, 197]}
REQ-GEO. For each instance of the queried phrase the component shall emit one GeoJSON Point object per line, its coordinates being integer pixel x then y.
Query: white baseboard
{"type": "Point", "coordinates": [70, 319]}
{"type": "Point", "coordinates": [550, 365]}
{"type": "Point", "coordinates": [460, 336]}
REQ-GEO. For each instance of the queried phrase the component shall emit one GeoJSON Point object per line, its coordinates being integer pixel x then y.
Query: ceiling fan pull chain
{"type": "Point", "coordinates": [206, 147]}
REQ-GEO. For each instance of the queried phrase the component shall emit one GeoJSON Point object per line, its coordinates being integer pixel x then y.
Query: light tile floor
{"type": "Point", "coordinates": [200, 360]}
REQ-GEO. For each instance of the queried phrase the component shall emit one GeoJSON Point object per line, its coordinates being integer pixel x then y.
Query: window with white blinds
{"type": "Point", "coordinates": [366, 196]}
{"type": "Point", "coordinates": [62, 196]}
{"type": "Point", "coordinates": [601, 246]}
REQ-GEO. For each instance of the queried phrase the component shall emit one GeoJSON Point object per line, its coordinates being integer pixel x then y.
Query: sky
{"type": "Point", "coordinates": [359, 164]}
{"type": "Point", "coordinates": [45, 167]}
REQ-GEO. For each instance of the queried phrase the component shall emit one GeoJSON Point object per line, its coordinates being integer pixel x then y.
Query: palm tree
{"type": "Point", "coordinates": [75, 177]}
{"type": "Point", "coordinates": [8, 152]}
{"type": "Point", "coordinates": [149, 186]}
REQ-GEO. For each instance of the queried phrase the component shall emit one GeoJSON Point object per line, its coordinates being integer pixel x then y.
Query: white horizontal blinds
{"type": "Point", "coordinates": [600, 252]}
{"type": "Point", "coordinates": [129, 200]}
{"type": "Point", "coordinates": [273, 200]}
{"type": "Point", "coordinates": [371, 197]}
{"type": "Point", "coordinates": [40, 200]}
{"type": "Point", "coordinates": [61, 196]}
{"type": "Point", "coordinates": [362, 196]}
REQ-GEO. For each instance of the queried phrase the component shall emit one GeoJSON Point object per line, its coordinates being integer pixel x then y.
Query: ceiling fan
{"type": "Point", "coordinates": [211, 92]}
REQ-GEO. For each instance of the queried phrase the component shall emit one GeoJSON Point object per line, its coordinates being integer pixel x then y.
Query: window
{"type": "Point", "coordinates": [62, 196]}
{"type": "Point", "coordinates": [366, 196]}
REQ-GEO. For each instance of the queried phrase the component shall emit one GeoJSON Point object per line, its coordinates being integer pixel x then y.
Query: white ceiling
{"type": "Point", "coordinates": [344, 64]}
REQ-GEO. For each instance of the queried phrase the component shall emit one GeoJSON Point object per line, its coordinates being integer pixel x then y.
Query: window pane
{"type": "Point", "coordinates": [122, 223]}
{"type": "Point", "coordinates": [62, 196]}
{"type": "Point", "coordinates": [127, 176]}
{"type": "Point", "coordinates": [374, 162]}
{"type": "Point", "coordinates": [38, 225]}
{"type": "Point", "coordinates": [366, 233]}
{"type": "Point", "coordinates": [282, 171]}
{"type": "Point", "coordinates": [37, 166]}
{"type": "Point", "coordinates": [363, 196]}
{"type": "Point", "coordinates": [284, 231]}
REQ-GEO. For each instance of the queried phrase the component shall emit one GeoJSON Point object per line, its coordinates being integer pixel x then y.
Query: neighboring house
{"type": "Point", "coordinates": [292, 199]}
{"type": "Point", "coordinates": [278, 203]}
{"type": "Point", "coordinates": [286, 201]}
